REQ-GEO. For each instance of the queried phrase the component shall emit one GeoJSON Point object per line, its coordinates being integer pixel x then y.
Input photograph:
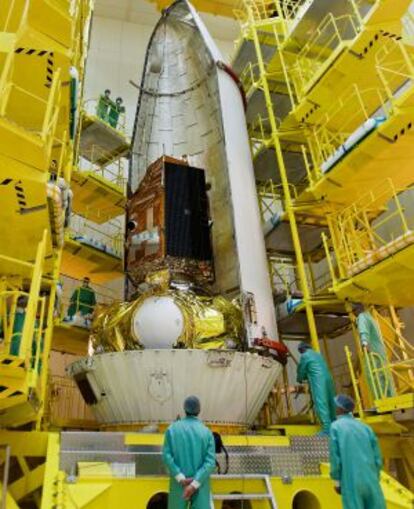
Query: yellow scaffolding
{"type": "Point", "coordinates": [334, 110]}
{"type": "Point", "coordinates": [39, 42]}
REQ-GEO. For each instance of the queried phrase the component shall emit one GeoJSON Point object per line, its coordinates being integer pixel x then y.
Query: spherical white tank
{"type": "Point", "coordinates": [158, 322]}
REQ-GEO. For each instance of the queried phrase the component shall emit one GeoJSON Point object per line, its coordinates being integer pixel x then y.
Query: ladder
{"type": "Point", "coordinates": [266, 495]}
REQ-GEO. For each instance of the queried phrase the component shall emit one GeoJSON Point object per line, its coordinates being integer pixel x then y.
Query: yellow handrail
{"type": "Point", "coordinates": [9, 16]}
{"type": "Point", "coordinates": [90, 106]}
{"type": "Point", "coordinates": [328, 36]}
{"type": "Point", "coordinates": [355, 386]}
{"type": "Point", "coordinates": [360, 233]}
{"type": "Point", "coordinates": [51, 112]}
{"type": "Point", "coordinates": [5, 76]}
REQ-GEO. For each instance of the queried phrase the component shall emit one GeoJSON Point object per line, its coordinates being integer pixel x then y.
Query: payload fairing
{"type": "Point", "coordinates": [191, 116]}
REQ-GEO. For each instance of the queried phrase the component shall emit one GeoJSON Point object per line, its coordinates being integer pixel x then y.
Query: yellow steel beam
{"type": "Point", "coordinates": [70, 339]}
{"type": "Point", "coordinates": [96, 198]}
{"type": "Point", "coordinates": [286, 187]}
{"type": "Point", "coordinates": [48, 338]}
{"type": "Point", "coordinates": [399, 402]}
{"type": "Point", "coordinates": [52, 487]}
{"type": "Point", "coordinates": [230, 440]}
{"type": "Point", "coordinates": [28, 483]}
{"type": "Point", "coordinates": [388, 282]}
{"type": "Point", "coordinates": [395, 494]}
{"type": "Point", "coordinates": [25, 443]}
{"type": "Point", "coordinates": [81, 260]}
{"type": "Point", "coordinates": [384, 424]}
{"type": "Point", "coordinates": [219, 8]}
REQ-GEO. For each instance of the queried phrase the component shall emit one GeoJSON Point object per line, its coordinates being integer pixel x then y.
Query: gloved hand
{"type": "Point", "coordinates": [189, 492]}
{"type": "Point", "coordinates": [186, 482]}
{"type": "Point", "coordinates": [337, 489]}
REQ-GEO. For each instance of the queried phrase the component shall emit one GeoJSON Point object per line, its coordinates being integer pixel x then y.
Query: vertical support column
{"type": "Point", "coordinates": [286, 190]}
{"type": "Point", "coordinates": [29, 322]}
{"type": "Point", "coordinates": [48, 341]}
{"type": "Point", "coordinates": [53, 483]}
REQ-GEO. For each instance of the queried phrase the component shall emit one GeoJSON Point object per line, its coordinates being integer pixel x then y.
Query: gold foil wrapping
{"type": "Point", "coordinates": [209, 322]}
{"type": "Point", "coordinates": [111, 328]}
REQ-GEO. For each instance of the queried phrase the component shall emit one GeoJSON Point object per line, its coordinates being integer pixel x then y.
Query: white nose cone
{"type": "Point", "coordinates": [158, 323]}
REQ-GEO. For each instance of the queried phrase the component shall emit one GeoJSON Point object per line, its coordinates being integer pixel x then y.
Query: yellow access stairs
{"type": "Point", "coordinates": [23, 351]}
{"type": "Point", "coordinates": [254, 488]}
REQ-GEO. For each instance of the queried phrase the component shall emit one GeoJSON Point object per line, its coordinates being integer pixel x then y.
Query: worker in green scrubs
{"type": "Point", "coordinates": [104, 104]}
{"type": "Point", "coordinates": [83, 300]}
{"type": "Point", "coordinates": [313, 369]}
{"type": "Point", "coordinates": [115, 111]}
{"type": "Point", "coordinates": [381, 384]}
{"type": "Point", "coordinates": [190, 457]}
{"type": "Point", "coordinates": [355, 459]}
{"type": "Point", "coordinates": [18, 324]}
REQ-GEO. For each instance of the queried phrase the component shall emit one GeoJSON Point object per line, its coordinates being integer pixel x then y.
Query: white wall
{"type": "Point", "coordinates": [117, 54]}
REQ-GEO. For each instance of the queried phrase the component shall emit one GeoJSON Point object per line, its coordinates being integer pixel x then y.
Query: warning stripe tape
{"type": "Point", "coordinates": [50, 63]}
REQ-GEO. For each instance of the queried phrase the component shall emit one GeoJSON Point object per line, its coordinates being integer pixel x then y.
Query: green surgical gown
{"type": "Point", "coordinates": [313, 369]}
{"type": "Point", "coordinates": [189, 449]}
{"type": "Point", "coordinates": [16, 338]}
{"type": "Point", "coordinates": [370, 335]}
{"type": "Point", "coordinates": [356, 463]}
{"type": "Point", "coordinates": [83, 300]}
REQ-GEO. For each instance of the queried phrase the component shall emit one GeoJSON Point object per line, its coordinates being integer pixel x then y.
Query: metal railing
{"type": "Point", "coordinates": [112, 117]}
{"type": "Point", "coordinates": [270, 199]}
{"type": "Point", "coordinates": [24, 324]}
{"type": "Point", "coordinates": [108, 237]}
{"type": "Point", "coordinates": [395, 67]}
{"type": "Point", "coordinates": [69, 300]}
{"type": "Point", "coordinates": [284, 278]}
{"type": "Point", "coordinates": [397, 373]}
{"type": "Point", "coordinates": [262, 10]}
{"type": "Point", "coordinates": [373, 228]}
{"type": "Point", "coordinates": [114, 172]}
{"type": "Point", "coordinates": [350, 112]}
{"type": "Point", "coordinates": [329, 35]}
{"type": "Point", "coordinates": [13, 17]}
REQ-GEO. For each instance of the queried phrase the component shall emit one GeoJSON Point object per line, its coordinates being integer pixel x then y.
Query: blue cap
{"type": "Point", "coordinates": [304, 346]}
{"type": "Point", "coordinates": [192, 405]}
{"type": "Point", "coordinates": [345, 402]}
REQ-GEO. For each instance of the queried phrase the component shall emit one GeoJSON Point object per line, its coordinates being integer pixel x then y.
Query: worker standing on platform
{"type": "Point", "coordinates": [355, 459]}
{"type": "Point", "coordinates": [104, 103]}
{"type": "Point", "coordinates": [18, 324]}
{"type": "Point", "coordinates": [190, 456]}
{"type": "Point", "coordinates": [375, 357]}
{"type": "Point", "coordinates": [115, 111]}
{"type": "Point", "coordinates": [83, 300]}
{"type": "Point", "coordinates": [17, 333]}
{"type": "Point", "coordinates": [313, 369]}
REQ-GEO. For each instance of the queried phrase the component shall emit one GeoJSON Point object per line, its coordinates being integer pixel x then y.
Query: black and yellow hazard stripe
{"type": "Point", "coordinates": [50, 62]}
